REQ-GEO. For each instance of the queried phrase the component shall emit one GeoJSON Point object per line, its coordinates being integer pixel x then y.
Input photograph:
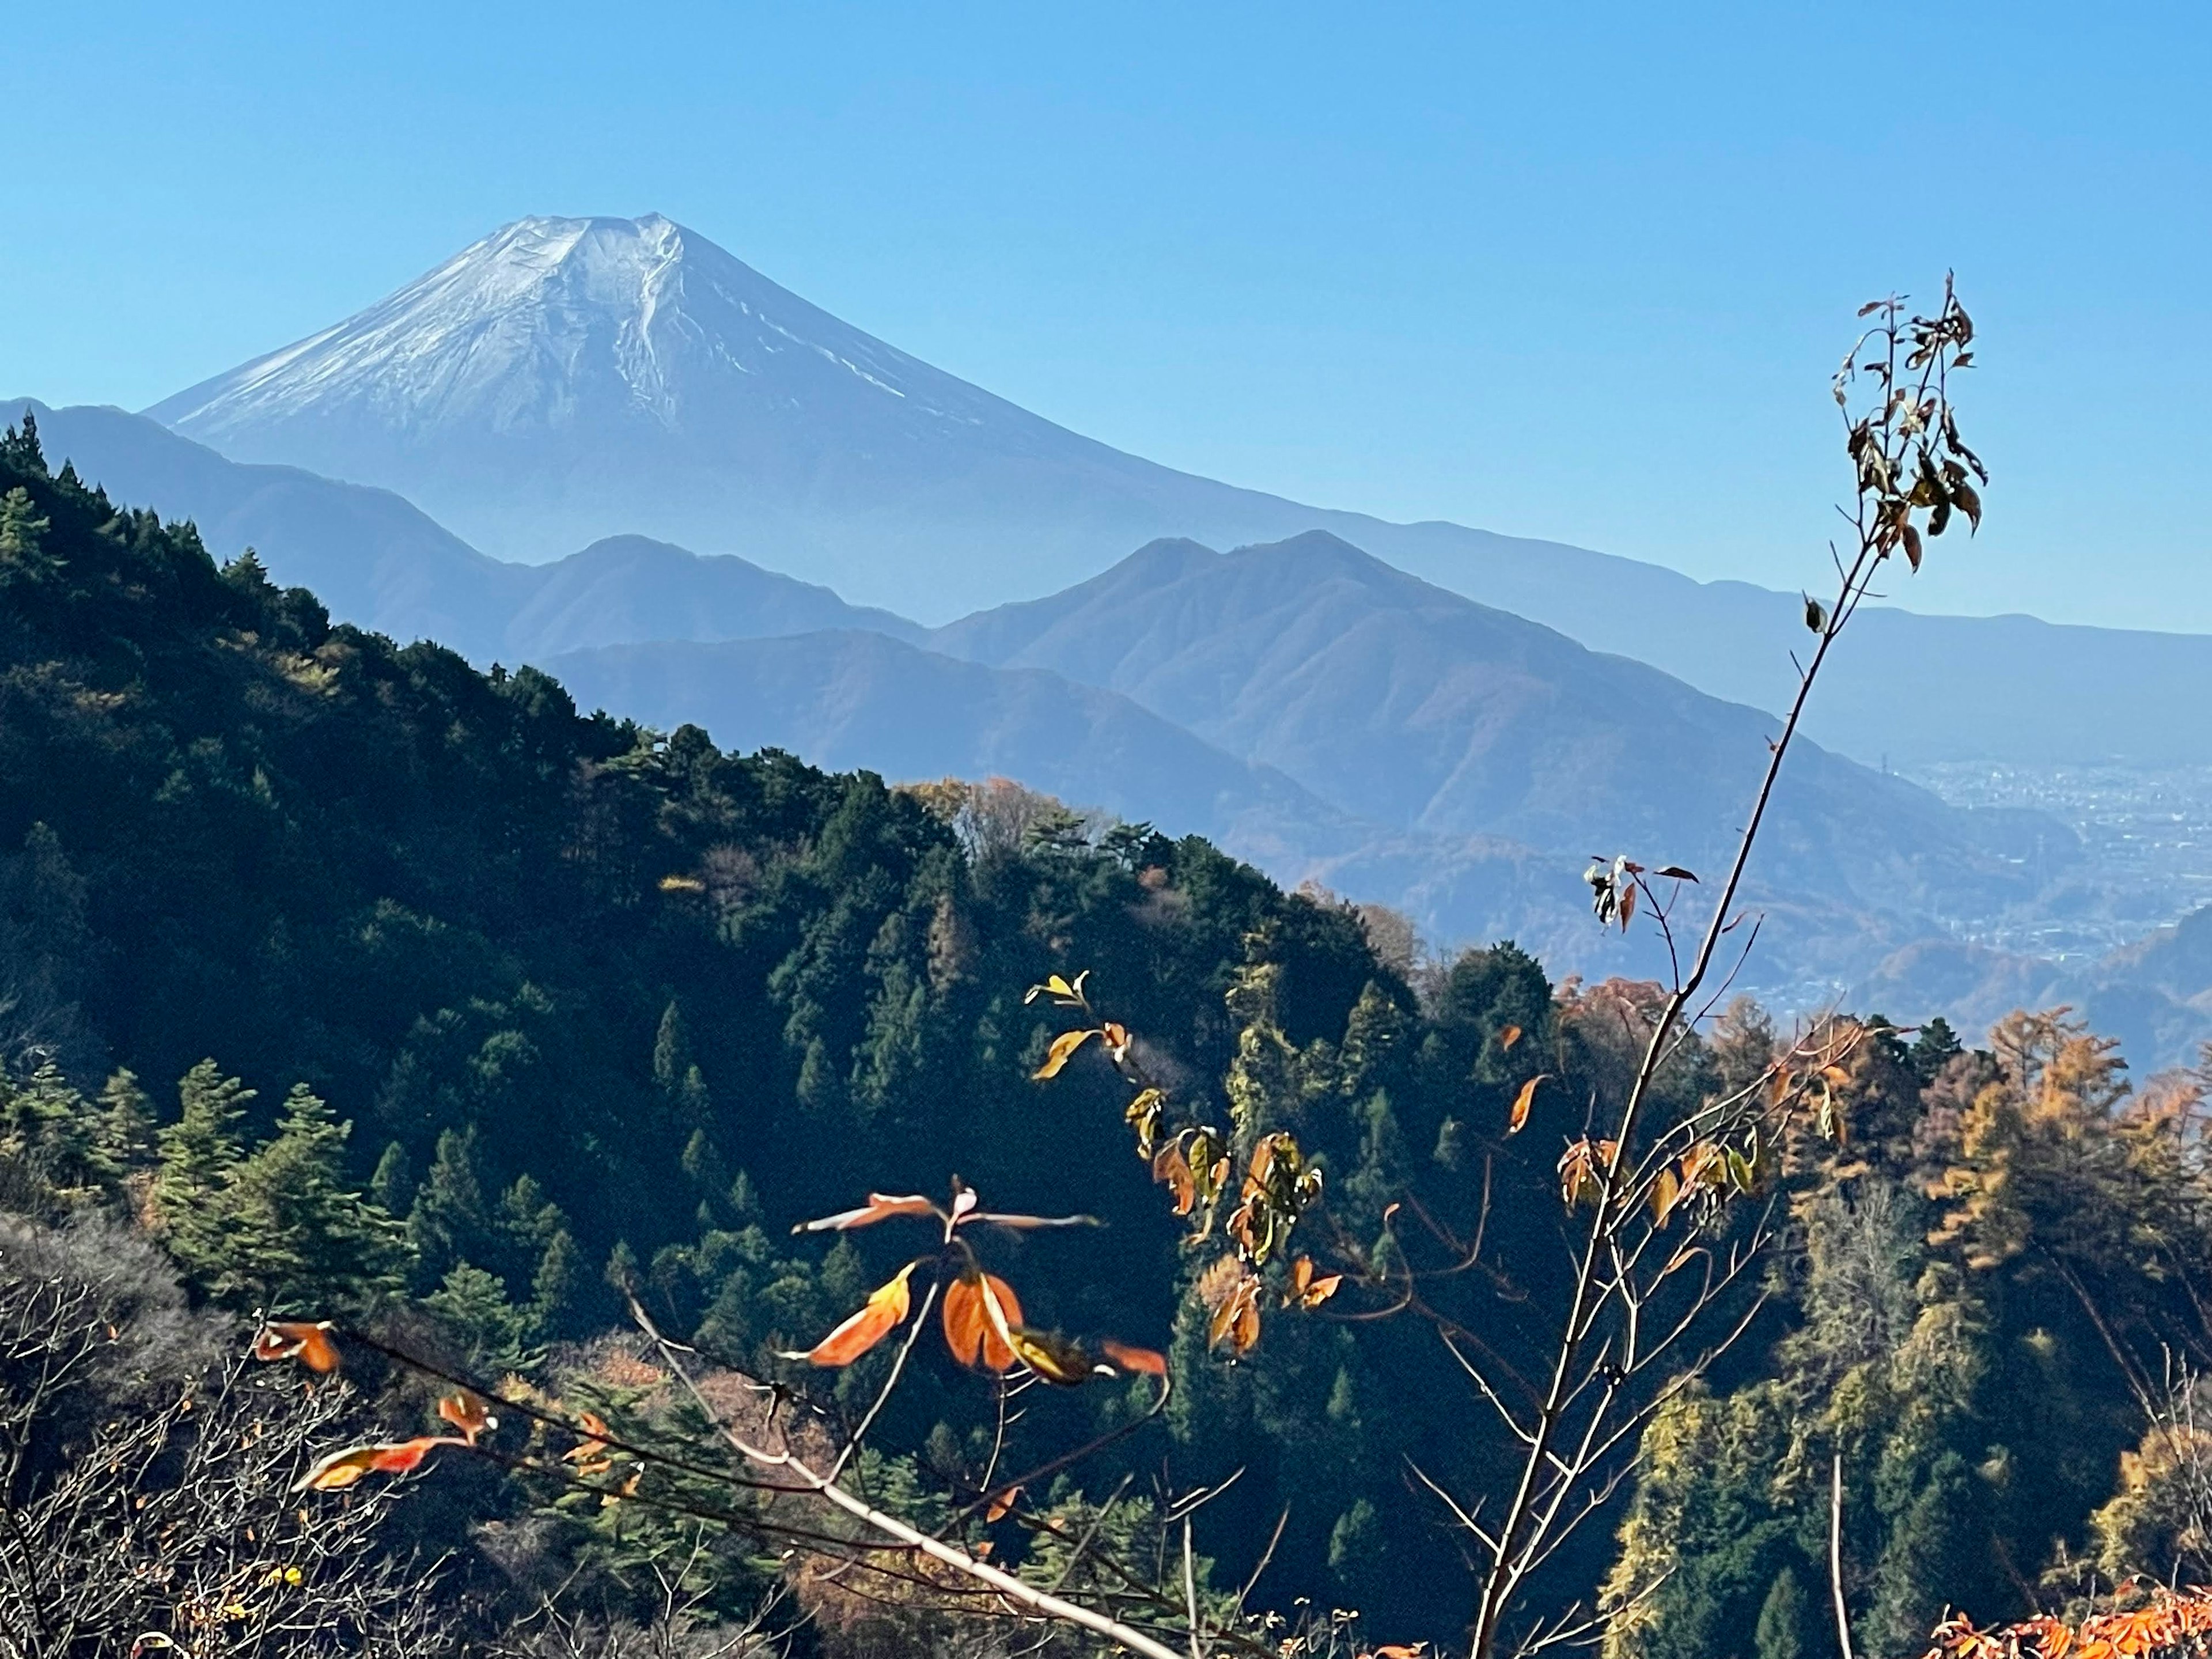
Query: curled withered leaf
{"type": "Point", "coordinates": [1665, 1193]}
{"type": "Point", "coordinates": [1309, 1288]}
{"type": "Point", "coordinates": [1064, 993]}
{"type": "Point", "coordinates": [1703, 1166]}
{"type": "Point", "coordinates": [1968, 503]}
{"type": "Point", "coordinates": [979, 1310]}
{"type": "Point", "coordinates": [1171, 1168]}
{"type": "Point", "coordinates": [1051, 1356]}
{"type": "Point", "coordinates": [1143, 1114]}
{"type": "Point", "coordinates": [886, 1306]}
{"type": "Point", "coordinates": [880, 1207]}
{"type": "Point", "coordinates": [1582, 1171]}
{"type": "Point", "coordinates": [1232, 1293]}
{"type": "Point", "coordinates": [1144, 1362]}
{"type": "Point", "coordinates": [467, 1412]}
{"type": "Point", "coordinates": [1003, 1504]}
{"type": "Point", "coordinates": [1521, 1101]}
{"type": "Point", "coordinates": [1507, 1036]}
{"type": "Point", "coordinates": [1030, 1223]}
{"type": "Point", "coordinates": [1063, 1050]}
{"type": "Point", "coordinates": [1816, 614]}
{"type": "Point", "coordinates": [1239, 1319]}
{"type": "Point", "coordinates": [314, 1345]}
{"type": "Point", "coordinates": [1674, 872]}
{"type": "Point", "coordinates": [342, 1468]}
{"type": "Point", "coordinates": [594, 1426]}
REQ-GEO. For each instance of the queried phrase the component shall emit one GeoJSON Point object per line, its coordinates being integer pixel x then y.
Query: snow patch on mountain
{"type": "Point", "coordinates": [552, 323]}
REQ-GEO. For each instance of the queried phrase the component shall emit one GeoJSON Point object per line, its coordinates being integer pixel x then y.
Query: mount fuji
{"type": "Point", "coordinates": [565, 379]}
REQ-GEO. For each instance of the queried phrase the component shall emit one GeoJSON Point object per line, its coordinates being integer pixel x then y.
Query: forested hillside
{"type": "Point", "coordinates": [338, 979]}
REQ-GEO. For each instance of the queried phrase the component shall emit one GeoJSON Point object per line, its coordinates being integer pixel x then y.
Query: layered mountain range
{"type": "Point", "coordinates": [1427, 716]}
{"type": "Point", "coordinates": [566, 380]}
{"type": "Point", "coordinates": [1305, 705]}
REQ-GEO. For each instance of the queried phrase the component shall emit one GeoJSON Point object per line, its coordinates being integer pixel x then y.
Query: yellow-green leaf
{"type": "Point", "coordinates": [1063, 1050]}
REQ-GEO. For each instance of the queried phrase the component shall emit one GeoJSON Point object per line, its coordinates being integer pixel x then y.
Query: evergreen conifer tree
{"type": "Point", "coordinates": [302, 1240]}
{"type": "Point", "coordinates": [197, 1153]}
{"type": "Point", "coordinates": [23, 554]}
{"type": "Point", "coordinates": [448, 1221]}
{"type": "Point", "coordinates": [1780, 1632]}
{"type": "Point", "coordinates": [126, 1123]}
{"type": "Point", "coordinates": [392, 1184]}
{"type": "Point", "coordinates": [493, 1333]}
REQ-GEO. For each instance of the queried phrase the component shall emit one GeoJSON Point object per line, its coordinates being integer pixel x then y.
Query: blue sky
{"type": "Point", "coordinates": [1573, 273]}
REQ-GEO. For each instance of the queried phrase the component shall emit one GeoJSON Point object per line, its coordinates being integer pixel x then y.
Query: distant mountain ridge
{"type": "Point", "coordinates": [381, 562]}
{"type": "Point", "coordinates": [563, 380]}
{"type": "Point", "coordinates": [1429, 713]}
{"type": "Point", "coordinates": [1179, 633]}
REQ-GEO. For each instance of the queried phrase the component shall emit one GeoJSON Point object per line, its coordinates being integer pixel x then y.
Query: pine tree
{"type": "Point", "coordinates": [50, 1135]}
{"type": "Point", "coordinates": [126, 1123]}
{"type": "Point", "coordinates": [393, 1185]}
{"type": "Point", "coordinates": [493, 1333]}
{"type": "Point", "coordinates": [1780, 1632]}
{"type": "Point", "coordinates": [448, 1222]}
{"type": "Point", "coordinates": [303, 1238]}
{"type": "Point", "coordinates": [197, 1153]}
{"type": "Point", "coordinates": [23, 555]}
{"type": "Point", "coordinates": [681, 1082]}
{"type": "Point", "coordinates": [557, 1286]}
{"type": "Point", "coordinates": [20, 448]}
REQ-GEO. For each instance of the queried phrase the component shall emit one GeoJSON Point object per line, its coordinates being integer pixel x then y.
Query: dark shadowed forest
{"type": "Point", "coordinates": [341, 981]}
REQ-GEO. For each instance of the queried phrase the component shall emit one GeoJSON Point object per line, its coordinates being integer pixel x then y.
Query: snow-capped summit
{"type": "Point", "coordinates": [568, 379]}
{"type": "Point", "coordinates": [567, 325]}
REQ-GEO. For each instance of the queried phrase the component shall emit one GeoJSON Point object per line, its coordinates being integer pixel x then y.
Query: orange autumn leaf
{"type": "Point", "coordinates": [1063, 1050]}
{"type": "Point", "coordinates": [1142, 1361]}
{"type": "Point", "coordinates": [467, 1413]}
{"type": "Point", "coordinates": [2174, 1622]}
{"type": "Point", "coordinates": [880, 1207]}
{"type": "Point", "coordinates": [877, 1319]}
{"type": "Point", "coordinates": [313, 1345]}
{"type": "Point", "coordinates": [1507, 1036]}
{"type": "Point", "coordinates": [1523, 1102]}
{"type": "Point", "coordinates": [1002, 1504]}
{"type": "Point", "coordinates": [975, 1330]}
{"type": "Point", "coordinates": [1232, 1292]}
{"type": "Point", "coordinates": [342, 1468]}
{"type": "Point", "coordinates": [1582, 1171]}
{"type": "Point", "coordinates": [1703, 1165]}
{"type": "Point", "coordinates": [1174, 1169]}
{"type": "Point", "coordinates": [1307, 1289]}
{"type": "Point", "coordinates": [596, 1427]}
